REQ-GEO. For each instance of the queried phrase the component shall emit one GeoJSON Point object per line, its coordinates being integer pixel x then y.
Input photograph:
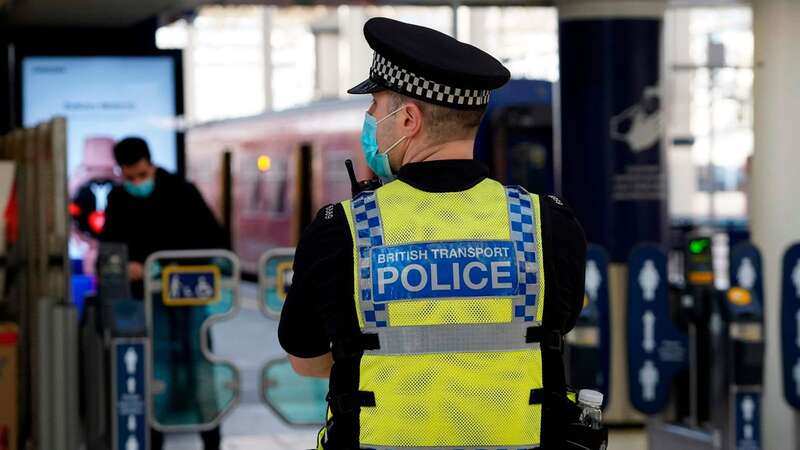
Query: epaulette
{"type": "Point", "coordinates": [559, 204]}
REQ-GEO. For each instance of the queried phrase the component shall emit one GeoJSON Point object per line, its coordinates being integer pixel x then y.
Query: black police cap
{"type": "Point", "coordinates": [429, 65]}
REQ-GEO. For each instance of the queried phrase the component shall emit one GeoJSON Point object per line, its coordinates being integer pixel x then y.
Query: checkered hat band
{"type": "Point", "coordinates": [406, 82]}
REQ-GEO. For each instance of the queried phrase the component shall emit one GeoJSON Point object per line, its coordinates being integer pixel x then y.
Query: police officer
{"type": "Point", "coordinates": [436, 303]}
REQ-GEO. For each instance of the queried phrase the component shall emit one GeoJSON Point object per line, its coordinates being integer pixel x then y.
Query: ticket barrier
{"type": "Point", "coordinates": [114, 346]}
{"type": "Point", "coordinates": [186, 292]}
{"type": "Point", "coordinates": [296, 399]}
{"type": "Point", "coordinates": [588, 350]}
{"type": "Point", "coordinates": [696, 357]}
{"type": "Point", "coordinates": [790, 325]}
{"type": "Point", "coordinates": [274, 280]}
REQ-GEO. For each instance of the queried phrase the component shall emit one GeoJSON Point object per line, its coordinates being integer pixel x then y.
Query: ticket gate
{"type": "Point", "coordinates": [274, 280]}
{"type": "Point", "coordinates": [696, 353]}
{"type": "Point", "coordinates": [744, 353]}
{"type": "Point", "coordinates": [588, 350]}
{"type": "Point", "coordinates": [790, 325]}
{"type": "Point", "coordinates": [114, 346]}
{"type": "Point", "coordinates": [296, 399]}
{"type": "Point", "coordinates": [149, 363]}
{"type": "Point", "coordinates": [187, 291]}
{"type": "Point", "coordinates": [657, 348]}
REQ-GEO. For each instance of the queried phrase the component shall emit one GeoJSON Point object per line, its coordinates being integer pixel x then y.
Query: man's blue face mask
{"type": "Point", "coordinates": [377, 161]}
{"type": "Point", "coordinates": [142, 189]}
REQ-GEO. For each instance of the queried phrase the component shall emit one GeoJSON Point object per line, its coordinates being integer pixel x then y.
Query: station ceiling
{"type": "Point", "coordinates": [121, 13]}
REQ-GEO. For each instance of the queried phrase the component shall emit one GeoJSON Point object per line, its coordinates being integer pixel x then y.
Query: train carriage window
{"type": "Point", "coordinates": [267, 182]}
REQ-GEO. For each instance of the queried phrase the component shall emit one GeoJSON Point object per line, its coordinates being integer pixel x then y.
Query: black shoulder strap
{"type": "Point", "coordinates": [554, 377]}
{"type": "Point", "coordinates": [347, 347]}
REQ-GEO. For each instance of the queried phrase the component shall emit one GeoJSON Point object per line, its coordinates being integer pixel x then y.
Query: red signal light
{"type": "Point", "coordinates": [96, 221]}
{"type": "Point", "coordinates": [74, 209]}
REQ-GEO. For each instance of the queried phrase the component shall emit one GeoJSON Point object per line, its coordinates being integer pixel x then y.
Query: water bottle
{"type": "Point", "coordinates": [590, 401]}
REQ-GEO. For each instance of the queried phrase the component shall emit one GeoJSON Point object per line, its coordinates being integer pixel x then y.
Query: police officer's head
{"type": "Point", "coordinates": [133, 158]}
{"type": "Point", "coordinates": [428, 90]}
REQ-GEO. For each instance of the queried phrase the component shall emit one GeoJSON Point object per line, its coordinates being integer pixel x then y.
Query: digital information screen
{"type": "Point", "coordinates": [104, 99]}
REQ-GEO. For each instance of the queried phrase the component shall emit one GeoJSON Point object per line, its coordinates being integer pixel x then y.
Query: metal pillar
{"type": "Point", "coordinates": [613, 164]}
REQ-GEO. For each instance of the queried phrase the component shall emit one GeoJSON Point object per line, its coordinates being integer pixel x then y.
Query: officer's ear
{"type": "Point", "coordinates": [411, 120]}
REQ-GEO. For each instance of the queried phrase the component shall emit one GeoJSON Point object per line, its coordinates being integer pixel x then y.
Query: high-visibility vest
{"type": "Point", "coordinates": [449, 293]}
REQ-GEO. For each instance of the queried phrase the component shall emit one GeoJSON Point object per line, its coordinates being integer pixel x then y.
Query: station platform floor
{"type": "Point", "coordinates": [250, 340]}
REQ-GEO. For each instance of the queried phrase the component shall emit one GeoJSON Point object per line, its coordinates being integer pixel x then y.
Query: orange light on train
{"type": "Point", "coordinates": [264, 163]}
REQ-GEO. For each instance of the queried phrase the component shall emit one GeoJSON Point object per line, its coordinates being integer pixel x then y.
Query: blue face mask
{"type": "Point", "coordinates": [142, 189]}
{"type": "Point", "coordinates": [377, 161]}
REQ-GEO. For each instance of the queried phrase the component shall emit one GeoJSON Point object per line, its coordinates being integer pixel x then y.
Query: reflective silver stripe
{"type": "Point", "coordinates": [451, 338]}
{"type": "Point", "coordinates": [460, 447]}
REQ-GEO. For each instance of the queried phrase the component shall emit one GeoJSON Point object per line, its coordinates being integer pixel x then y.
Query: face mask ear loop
{"type": "Point", "coordinates": [386, 152]}
{"type": "Point", "coordinates": [391, 114]}
{"type": "Point", "coordinates": [394, 145]}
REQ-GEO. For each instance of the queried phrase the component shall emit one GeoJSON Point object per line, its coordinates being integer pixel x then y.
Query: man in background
{"type": "Point", "coordinates": [155, 210]}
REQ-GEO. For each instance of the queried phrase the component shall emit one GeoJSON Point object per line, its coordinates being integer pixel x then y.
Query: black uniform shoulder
{"type": "Point", "coordinates": [562, 218]}
{"type": "Point", "coordinates": [564, 245]}
{"type": "Point", "coordinates": [323, 267]}
{"type": "Point", "coordinates": [327, 234]}
{"type": "Point", "coordinates": [330, 221]}
{"type": "Point", "coordinates": [554, 202]}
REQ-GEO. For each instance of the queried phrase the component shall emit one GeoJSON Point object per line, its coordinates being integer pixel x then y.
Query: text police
{"type": "Point", "coordinates": [444, 269]}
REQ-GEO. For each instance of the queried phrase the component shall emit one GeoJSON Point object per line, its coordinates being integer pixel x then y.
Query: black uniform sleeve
{"type": "Point", "coordinates": [323, 273]}
{"type": "Point", "coordinates": [564, 246]}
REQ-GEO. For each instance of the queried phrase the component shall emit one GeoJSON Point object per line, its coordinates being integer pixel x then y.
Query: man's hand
{"type": "Point", "coordinates": [135, 271]}
{"type": "Point", "coordinates": [319, 367]}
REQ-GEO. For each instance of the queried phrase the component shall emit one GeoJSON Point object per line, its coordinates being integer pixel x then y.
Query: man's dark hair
{"type": "Point", "coordinates": [130, 151]}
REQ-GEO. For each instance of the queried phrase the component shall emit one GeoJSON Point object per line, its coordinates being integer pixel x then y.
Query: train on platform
{"type": "Point", "coordinates": [274, 166]}
{"type": "Point", "coordinates": [266, 176]}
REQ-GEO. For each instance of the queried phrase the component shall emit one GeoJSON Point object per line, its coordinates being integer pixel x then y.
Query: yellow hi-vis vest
{"type": "Point", "coordinates": [451, 285]}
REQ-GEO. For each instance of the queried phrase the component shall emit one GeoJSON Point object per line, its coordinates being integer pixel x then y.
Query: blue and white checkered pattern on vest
{"type": "Point", "coordinates": [369, 233]}
{"type": "Point", "coordinates": [523, 234]}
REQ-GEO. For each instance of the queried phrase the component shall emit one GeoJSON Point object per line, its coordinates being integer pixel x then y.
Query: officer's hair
{"type": "Point", "coordinates": [130, 151]}
{"type": "Point", "coordinates": [443, 124]}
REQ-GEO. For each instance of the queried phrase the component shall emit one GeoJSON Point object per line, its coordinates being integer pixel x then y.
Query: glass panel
{"type": "Point", "coordinates": [275, 278]}
{"type": "Point", "coordinates": [190, 389]}
{"type": "Point", "coordinates": [296, 399]}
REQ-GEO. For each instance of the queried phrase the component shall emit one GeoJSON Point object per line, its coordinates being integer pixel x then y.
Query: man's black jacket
{"type": "Point", "coordinates": [173, 217]}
